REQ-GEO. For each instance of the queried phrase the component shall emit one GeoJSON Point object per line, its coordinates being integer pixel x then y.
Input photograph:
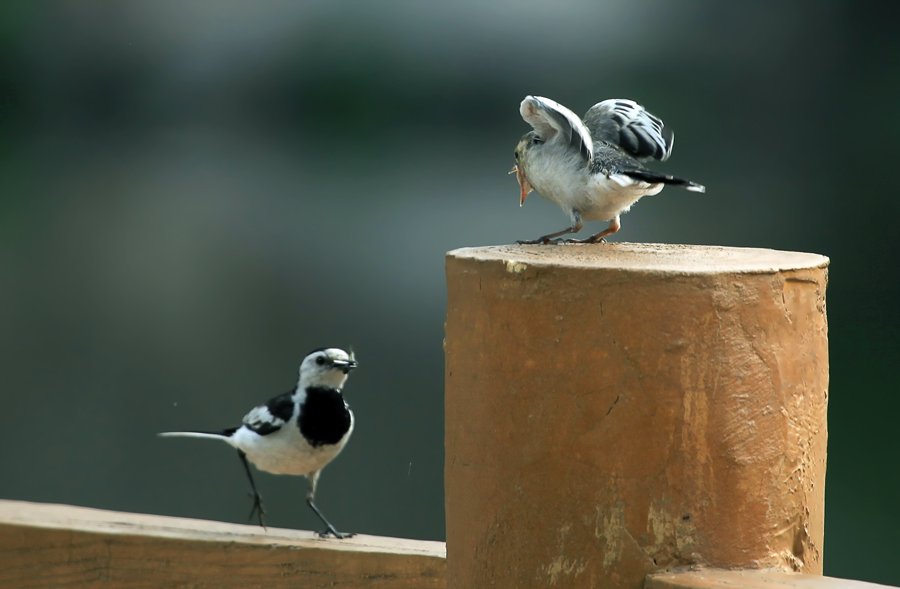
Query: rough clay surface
{"type": "Point", "coordinates": [614, 410]}
{"type": "Point", "coordinates": [649, 257]}
{"type": "Point", "coordinates": [757, 579]}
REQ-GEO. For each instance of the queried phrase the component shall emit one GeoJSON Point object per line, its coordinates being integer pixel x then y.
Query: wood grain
{"type": "Point", "coordinates": [44, 546]}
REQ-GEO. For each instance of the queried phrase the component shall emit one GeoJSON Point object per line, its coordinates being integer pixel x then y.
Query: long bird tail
{"type": "Point", "coordinates": [655, 178]}
{"type": "Point", "coordinates": [223, 435]}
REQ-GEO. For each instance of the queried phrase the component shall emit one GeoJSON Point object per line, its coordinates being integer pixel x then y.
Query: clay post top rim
{"type": "Point", "coordinates": [645, 258]}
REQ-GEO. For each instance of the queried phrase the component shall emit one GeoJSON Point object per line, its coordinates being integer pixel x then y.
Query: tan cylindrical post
{"type": "Point", "coordinates": [617, 409]}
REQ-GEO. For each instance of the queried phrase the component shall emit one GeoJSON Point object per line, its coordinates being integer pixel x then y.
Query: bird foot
{"type": "Point", "coordinates": [578, 241]}
{"type": "Point", "coordinates": [335, 533]}
{"type": "Point", "coordinates": [257, 509]}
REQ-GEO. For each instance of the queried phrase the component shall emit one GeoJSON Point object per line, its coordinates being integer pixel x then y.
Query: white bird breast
{"type": "Point", "coordinates": [561, 177]}
{"type": "Point", "coordinates": [609, 197]}
{"type": "Point", "coordinates": [287, 451]}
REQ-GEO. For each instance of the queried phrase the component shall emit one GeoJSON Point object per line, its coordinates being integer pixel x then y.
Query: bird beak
{"type": "Point", "coordinates": [524, 186]}
{"type": "Point", "coordinates": [346, 365]}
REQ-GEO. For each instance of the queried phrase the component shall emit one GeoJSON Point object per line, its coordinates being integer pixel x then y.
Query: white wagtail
{"type": "Point", "coordinates": [592, 168]}
{"type": "Point", "coordinates": [298, 432]}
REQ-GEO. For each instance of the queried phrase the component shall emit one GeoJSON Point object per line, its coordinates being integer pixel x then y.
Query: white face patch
{"type": "Point", "coordinates": [325, 368]}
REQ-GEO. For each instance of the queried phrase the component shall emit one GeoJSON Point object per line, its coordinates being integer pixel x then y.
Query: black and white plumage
{"type": "Point", "coordinates": [592, 167]}
{"type": "Point", "coordinates": [298, 432]}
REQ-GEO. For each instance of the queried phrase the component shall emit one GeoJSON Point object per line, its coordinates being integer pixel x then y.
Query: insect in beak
{"type": "Point", "coordinates": [524, 186]}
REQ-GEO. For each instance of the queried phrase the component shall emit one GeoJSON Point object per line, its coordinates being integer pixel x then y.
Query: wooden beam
{"type": "Point", "coordinates": [759, 579]}
{"type": "Point", "coordinates": [58, 546]}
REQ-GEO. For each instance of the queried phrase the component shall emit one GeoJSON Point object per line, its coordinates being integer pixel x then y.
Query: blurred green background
{"type": "Point", "coordinates": [195, 194]}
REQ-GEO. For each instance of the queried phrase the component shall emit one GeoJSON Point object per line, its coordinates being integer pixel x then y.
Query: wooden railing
{"type": "Point", "coordinates": [58, 546]}
{"type": "Point", "coordinates": [617, 416]}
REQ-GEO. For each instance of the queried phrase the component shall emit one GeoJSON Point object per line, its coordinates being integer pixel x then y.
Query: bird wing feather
{"type": "Point", "coordinates": [629, 126]}
{"type": "Point", "coordinates": [269, 418]}
{"type": "Point", "coordinates": [550, 118]}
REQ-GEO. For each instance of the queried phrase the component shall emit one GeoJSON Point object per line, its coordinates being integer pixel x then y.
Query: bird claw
{"type": "Point", "coordinates": [336, 534]}
{"type": "Point", "coordinates": [257, 509]}
{"type": "Point", "coordinates": [578, 241]}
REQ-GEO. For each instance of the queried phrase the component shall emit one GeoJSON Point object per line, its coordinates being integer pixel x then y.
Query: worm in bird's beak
{"type": "Point", "coordinates": [524, 186]}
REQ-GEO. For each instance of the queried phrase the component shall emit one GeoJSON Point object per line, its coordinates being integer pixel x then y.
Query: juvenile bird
{"type": "Point", "coordinates": [592, 168]}
{"type": "Point", "coordinates": [298, 432]}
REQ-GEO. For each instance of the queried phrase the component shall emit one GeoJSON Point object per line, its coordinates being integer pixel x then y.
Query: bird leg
{"type": "Point", "coordinates": [613, 227]}
{"type": "Point", "coordinates": [257, 498]}
{"type": "Point", "coordinates": [575, 228]}
{"type": "Point", "coordinates": [330, 529]}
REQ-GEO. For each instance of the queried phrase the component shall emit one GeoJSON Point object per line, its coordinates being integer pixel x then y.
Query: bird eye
{"type": "Point", "coordinates": [320, 360]}
{"type": "Point", "coordinates": [517, 156]}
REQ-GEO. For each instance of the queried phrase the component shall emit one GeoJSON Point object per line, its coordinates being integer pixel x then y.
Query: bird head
{"type": "Point", "coordinates": [326, 367]}
{"type": "Point", "coordinates": [521, 154]}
